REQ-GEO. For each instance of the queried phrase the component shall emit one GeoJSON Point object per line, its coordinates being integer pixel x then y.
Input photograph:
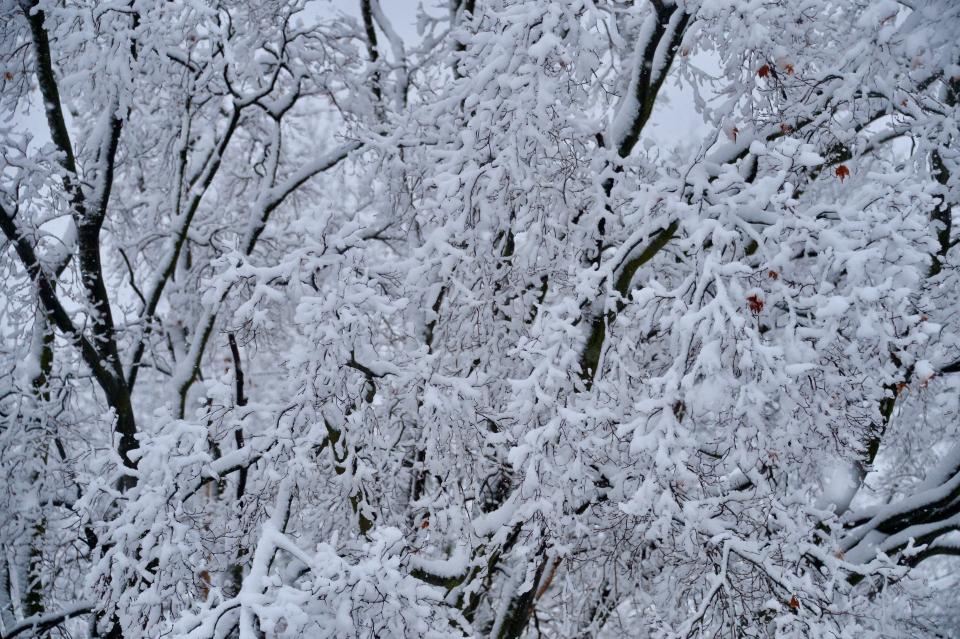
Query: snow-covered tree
{"type": "Point", "coordinates": [314, 328]}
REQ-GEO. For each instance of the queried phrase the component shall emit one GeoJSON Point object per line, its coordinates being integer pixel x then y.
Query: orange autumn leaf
{"type": "Point", "coordinates": [764, 71]}
{"type": "Point", "coordinates": [842, 172]}
{"type": "Point", "coordinates": [794, 603]}
{"type": "Point", "coordinates": [788, 68]}
{"type": "Point", "coordinates": [785, 128]}
{"type": "Point", "coordinates": [773, 275]}
{"type": "Point", "coordinates": [204, 586]}
{"type": "Point", "coordinates": [755, 304]}
{"type": "Point", "coordinates": [7, 75]}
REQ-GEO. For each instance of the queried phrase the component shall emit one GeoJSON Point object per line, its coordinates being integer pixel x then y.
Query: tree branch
{"type": "Point", "coordinates": [39, 624]}
{"type": "Point", "coordinates": [366, 13]}
{"type": "Point", "coordinates": [189, 368]}
{"type": "Point", "coordinates": [51, 303]}
{"type": "Point", "coordinates": [168, 264]}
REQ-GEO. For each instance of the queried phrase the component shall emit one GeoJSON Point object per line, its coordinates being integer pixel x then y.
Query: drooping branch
{"type": "Point", "coordinates": [38, 625]}
{"type": "Point", "coordinates": [922, 516]}
{"type": "Point", "coordinates": [937, 548]}
{"type": "Point", "coordinates": [922, 507]}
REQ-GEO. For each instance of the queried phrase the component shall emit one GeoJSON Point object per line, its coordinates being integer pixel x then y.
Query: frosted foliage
{"type": "Point", "coordinates": [548, 318]}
